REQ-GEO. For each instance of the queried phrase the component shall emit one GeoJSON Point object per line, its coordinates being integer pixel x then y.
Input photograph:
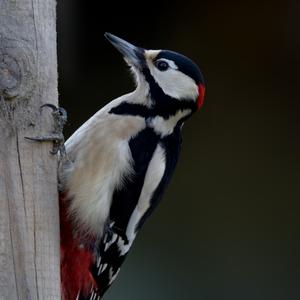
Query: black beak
{"type": "Point", "coordinates": [132, 54]}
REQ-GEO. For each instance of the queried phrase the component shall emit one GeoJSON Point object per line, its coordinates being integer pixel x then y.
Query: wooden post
{"type": "Point", "coordinates": [29, 222]}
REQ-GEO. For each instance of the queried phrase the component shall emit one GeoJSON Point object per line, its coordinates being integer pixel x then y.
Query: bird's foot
{"type": "Point", "coordinates": [60, 118]}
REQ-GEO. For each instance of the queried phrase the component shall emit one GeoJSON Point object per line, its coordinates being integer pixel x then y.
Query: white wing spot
{"type": "Point", "coordinates": [113, 239]}
{"type": "Point", "coordinates": [113, 277]}
{"type": "Point", "coordinates": [102, 268]}
{"type": "Point", "coordinates": [98, 262]}
{"type": "Point", "coordinates": [92, 295]}
{"type": "Point", "coordinates": [105, 238]}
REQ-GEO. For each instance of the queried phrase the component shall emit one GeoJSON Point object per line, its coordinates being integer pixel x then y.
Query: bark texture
{"type": "Point", "coordinates": [29, 222]}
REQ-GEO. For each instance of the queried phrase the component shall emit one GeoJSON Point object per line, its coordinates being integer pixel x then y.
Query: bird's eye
{"type": "Point", "coordinates": [162, 65]}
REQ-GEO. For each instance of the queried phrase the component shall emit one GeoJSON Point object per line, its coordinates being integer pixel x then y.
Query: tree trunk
{"type": "Point", "coordinates": [29, 222]}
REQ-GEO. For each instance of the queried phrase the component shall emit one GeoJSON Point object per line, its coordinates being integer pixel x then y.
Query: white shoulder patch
{"type": "Point", "coordinates": [153, 177]}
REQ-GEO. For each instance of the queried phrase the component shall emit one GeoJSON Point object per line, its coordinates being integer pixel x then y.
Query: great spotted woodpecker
{"type": "Point", "coordinates": [119, 164]}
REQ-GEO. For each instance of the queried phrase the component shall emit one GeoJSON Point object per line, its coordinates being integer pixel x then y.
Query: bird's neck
{"type": "Point", "coordinates": [166, 125]}
{"type": "Point", "coordinates": [161, 118]}
{"type": "Point", "coordinates": [161, 112]}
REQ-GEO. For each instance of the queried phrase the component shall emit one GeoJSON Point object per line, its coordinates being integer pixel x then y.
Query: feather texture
{"type": "Point", "coordinates": [119, 164]}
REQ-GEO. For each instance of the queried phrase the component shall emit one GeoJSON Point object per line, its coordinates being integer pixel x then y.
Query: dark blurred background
{"type": "Point", "coordinates": [228, 227]}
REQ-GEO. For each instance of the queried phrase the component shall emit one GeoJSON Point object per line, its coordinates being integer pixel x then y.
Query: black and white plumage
{"type": "Point", "coordinates": [120, 162]}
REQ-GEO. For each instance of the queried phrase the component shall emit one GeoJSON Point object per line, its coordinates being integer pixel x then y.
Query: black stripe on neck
{"type": "Point", "coordinates": [163, 105]}
{"type": "Point", "coordinates": [165, 111]}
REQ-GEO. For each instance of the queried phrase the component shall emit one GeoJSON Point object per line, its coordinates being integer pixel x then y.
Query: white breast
{"type": "Point", "coordinates": [101, 159]}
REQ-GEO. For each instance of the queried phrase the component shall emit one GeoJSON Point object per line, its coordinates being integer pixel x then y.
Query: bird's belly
{"type": "Point", "coordinates": [99, 169]}
{"type": "Point", "coordinates": [92, 190]}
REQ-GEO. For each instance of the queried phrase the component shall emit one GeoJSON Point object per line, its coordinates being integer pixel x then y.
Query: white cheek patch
{"type": "Point", "coordinates": [175, 83]}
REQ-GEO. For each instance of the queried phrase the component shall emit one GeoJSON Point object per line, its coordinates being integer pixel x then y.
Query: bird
{"type": "Point", "coordinates": [118, 165]}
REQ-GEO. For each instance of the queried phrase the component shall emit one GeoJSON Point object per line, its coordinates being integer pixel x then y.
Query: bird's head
{"type": "Point", "coordinates": [173, 79]}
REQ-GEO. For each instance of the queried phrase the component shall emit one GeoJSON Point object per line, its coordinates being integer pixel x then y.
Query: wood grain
{"type": "Point", "coordinates": [29, 222]}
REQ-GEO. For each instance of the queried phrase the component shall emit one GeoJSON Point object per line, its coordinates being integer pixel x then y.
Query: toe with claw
{"type": "Point", "coordinates": [60, 118]}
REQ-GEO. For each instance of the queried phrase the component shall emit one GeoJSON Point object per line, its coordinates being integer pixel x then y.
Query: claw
{"type": "Point", "coordinates": [59, 114]}
{"type": "Point", "coordinates": [62, 112]}
{"type": "Point", "coordinates": [57, 139]}
{"type": "Point", "coordinates": [60, 118]}
{"type": "Point", "coordinates": [54, 108]}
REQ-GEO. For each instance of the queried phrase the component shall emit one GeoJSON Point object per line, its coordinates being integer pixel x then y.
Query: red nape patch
{"type": "Point", "coordinates": [201, 93]}
{"type": "Point", "coordinates": [75, 261]}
